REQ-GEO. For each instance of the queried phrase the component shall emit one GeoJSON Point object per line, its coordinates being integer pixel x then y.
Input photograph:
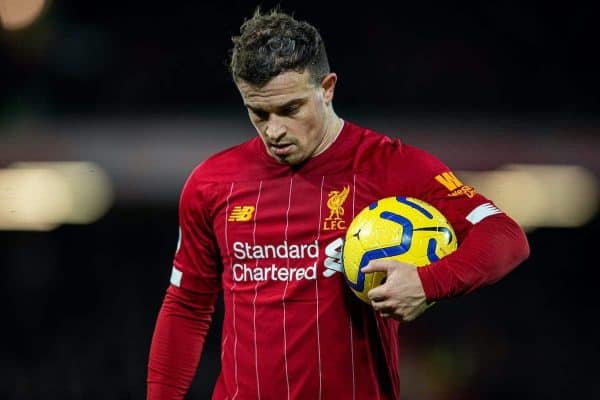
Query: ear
{"type": "Point", "coordinates": [328, 85]}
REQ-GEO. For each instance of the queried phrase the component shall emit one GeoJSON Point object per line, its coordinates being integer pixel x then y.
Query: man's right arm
{"type": "Point", "coordinates": [187, 308]}
{"type": "Point", "coordinates": [179, 334]}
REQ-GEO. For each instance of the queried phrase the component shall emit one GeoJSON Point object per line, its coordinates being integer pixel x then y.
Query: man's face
{"type": "Point", "coordinates": [289, 113]}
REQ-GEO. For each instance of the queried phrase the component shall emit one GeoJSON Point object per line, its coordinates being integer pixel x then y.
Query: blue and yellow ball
{"type": "Point", "coordinates": [400, 228]}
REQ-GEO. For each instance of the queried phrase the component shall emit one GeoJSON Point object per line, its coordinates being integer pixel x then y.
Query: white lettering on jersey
{"type": "Point", "coordinates": [247, 251]}
{"type": "Point", "coordinates": [243, 273]}
{"type": "Point", "coordinates": [244, 252]}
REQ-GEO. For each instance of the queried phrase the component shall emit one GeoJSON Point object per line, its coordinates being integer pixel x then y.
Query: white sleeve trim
{"type": "Point", "coordinates": [176, 277]}
{"type": "Point", "coordinates": [481, 212]}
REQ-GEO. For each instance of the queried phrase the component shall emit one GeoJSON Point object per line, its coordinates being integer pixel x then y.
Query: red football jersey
{"type": "Point", "coordinates": [269, 235]}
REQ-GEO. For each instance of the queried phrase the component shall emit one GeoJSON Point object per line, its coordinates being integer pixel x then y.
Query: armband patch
{"type": "Point", "coordinates": [176, 277]}
{"type": "Point", "coordinates": [481, 212]}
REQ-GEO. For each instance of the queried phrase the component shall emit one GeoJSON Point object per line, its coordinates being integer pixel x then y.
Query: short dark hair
{"type": "Point", "coordinates": [272, 43]}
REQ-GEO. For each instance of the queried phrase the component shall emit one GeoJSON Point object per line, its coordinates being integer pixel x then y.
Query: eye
{"type": "Point", "coordinates": [290, 110]}
{"type": "Point", "coordinates": [260, 115]}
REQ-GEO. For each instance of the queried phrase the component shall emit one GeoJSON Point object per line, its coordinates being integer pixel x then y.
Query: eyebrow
{"type": "Point", "coordinates": [299, 101]}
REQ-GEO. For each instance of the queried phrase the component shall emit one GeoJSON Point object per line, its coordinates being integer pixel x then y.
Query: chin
{"type": "Point", "coordinates": [288, 160]}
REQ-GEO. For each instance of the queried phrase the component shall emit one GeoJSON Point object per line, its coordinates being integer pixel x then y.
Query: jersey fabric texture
{"type": "Point", "coordinates": [269, 236]}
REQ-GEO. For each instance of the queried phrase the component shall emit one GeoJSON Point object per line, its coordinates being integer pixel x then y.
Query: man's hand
{"type": "Point", "coordinates": [401, 296]}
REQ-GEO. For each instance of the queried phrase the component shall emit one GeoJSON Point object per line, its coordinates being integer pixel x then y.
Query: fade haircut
{"type": "Point", "coordinates": [272, 43]}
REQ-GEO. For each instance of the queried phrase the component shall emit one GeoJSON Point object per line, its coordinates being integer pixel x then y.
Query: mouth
{"type": "Point", "coordinates": [281, 149]}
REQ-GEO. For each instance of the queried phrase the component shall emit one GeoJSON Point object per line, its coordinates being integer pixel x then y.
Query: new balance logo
{"type": "Point", "coordinates": [241, 214]}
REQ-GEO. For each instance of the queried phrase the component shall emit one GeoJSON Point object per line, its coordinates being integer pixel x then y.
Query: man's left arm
{"type": "Point", "coordinates": [492, 248]}
{"type": "Point", "coordinates": [491, 244]}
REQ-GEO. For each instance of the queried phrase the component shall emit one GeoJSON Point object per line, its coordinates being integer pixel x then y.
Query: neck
{"type": "Point", "coordinates": [332, 128]}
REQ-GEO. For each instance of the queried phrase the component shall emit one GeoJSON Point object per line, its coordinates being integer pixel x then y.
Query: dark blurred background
{"type": "Point", "coordinates": [113, 103]}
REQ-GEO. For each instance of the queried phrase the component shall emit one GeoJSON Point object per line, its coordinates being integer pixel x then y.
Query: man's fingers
{"type": "Point", "coordinates": [383, 265]}
{"type": "Point", "coordinates": [375, 266]}
{"type": "Point", "coordinates": [377, 293]}
{"type": "Point", "coordinates": [379, 266]}
{"type": "Point", "coordinates": [383, 306]}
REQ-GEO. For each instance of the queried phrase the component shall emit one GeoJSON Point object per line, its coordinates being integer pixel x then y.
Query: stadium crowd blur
{"type": "Point", "coordinates": [138, 93]}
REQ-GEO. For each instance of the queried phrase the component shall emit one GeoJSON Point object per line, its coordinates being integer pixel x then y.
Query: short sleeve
{"type": "Point", "coordinates": [197, 266]}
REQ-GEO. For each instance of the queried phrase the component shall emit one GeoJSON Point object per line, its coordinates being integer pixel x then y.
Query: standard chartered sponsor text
{"type": "Point", "coordinates": [243, 250]}
{"type": "Point", "coordinates": [242, 272]}
{"type": "Point", "coordinates": [285, 271]}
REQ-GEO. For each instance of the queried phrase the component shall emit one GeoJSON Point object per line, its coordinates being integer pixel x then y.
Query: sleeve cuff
{"type": "Point", "coordinates": [435, 279]}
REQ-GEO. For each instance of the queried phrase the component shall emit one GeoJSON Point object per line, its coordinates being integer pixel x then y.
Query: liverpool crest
{"type": "Point", "coordinates": [335, 203]}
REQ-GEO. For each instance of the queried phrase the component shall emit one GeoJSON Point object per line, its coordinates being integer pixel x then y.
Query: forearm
{"type": "Point", "coordinates": [181, 327]}
{"type": "Point", "coordinates": [491, 249]}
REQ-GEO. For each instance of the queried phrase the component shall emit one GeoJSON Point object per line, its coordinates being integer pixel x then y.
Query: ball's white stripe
{"type": "Point", "coordinates": [481, 212]}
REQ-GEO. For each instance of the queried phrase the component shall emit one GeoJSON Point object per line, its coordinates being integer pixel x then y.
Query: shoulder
{"type": "Point", "coordinates": [208, 178]}
{"type": "Point", "coordinates": [226, 162]}
{"type": "Point", "coordinates": [227, 165]}
{"type": "Point", "coordinates": [370, 138]}
{"type": "Point", "coordinates": [376, 149]}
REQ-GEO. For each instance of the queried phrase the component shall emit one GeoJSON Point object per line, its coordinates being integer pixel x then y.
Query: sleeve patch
{"type": "Point", "coordinates": [481, 212]}
{"type": "Point", "coordinates": [449, 181]}
{"type": "Point", "coordinates": [176, 277]}
{"type": "Point", "coordinates": [454, 185]}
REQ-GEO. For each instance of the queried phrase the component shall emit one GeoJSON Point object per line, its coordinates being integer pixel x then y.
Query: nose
{"type": "Point", "coordinates": [275, 130]}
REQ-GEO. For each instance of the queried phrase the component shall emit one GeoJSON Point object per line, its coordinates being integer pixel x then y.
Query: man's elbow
{"type": "Point", "coordinates": [521, 249]}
